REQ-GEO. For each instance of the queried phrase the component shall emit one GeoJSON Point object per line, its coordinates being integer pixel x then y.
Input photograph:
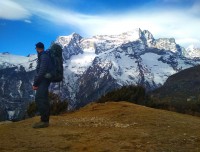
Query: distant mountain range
{"type": "Point", "coordinates": [93, 66]}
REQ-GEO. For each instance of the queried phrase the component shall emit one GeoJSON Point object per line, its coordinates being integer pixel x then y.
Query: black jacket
{"type": "Point", "coordinates": [43, 67]}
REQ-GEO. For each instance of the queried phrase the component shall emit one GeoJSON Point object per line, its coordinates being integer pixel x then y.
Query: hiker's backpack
{"type": "Point", "coordinates": [56, 72]}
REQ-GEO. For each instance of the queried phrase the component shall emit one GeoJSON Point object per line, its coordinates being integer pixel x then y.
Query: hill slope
{"type": "Point", "coordinates": [181, 91]}
{"type": "Point", "coordinates": [186, 83]}
{"type": "Point", "coordinates": [106, 127]}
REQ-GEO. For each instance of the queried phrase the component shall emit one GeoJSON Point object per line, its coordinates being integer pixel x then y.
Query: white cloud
{"type": "Point", "coordinates": [27, 21]}
{"type": "Point", "coordinates": [182, 24]}
{"type": "Point", "coordinates": [188, 41]}
{"type": "Point", "coordinates": [12, 10]}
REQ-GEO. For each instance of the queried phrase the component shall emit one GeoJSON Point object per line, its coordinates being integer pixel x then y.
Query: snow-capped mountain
{"type": "Point", "coordinates": [93, 66]}
{"type": "Point", "coordinates": [192, 52]}
{"type": "Point", "coordinates": [8, 60]}
{"type": "Point", "coordinates": [104, 62]}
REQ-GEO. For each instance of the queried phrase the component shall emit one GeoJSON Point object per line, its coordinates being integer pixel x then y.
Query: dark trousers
{"type": "Point", "coordinates": [42, 100]}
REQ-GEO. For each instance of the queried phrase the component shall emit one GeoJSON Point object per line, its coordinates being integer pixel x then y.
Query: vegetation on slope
{"type": "Point", "coordinates": [134, 94]}
{"type": "Point", "coordinates": [57, 106]}
{"type": "Point", "coordinates": [180, 92]}
{"type": "Point", "coordinates": [138, 95]}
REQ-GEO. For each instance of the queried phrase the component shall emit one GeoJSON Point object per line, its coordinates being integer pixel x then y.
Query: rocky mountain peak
{"type": "Point", "coordinates": [148, 35]}
{"type": "Point", "coordinates": [65, 40]}
{"type": "Point", "coordinates": [193, 51]}
{"type": "Point", "coordinates": [167, 44]}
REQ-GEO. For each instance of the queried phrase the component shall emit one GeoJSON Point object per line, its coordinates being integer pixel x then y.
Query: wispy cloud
{"type": "Point", "coordinates": [28, 21]}
{"type": "Point", "coordinates": [183, 24]}
{"type": "Point", "coordinates": [13, 11]}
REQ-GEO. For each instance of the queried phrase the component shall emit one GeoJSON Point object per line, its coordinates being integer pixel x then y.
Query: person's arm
{"type": "Point", "coordinates": [42, 70]}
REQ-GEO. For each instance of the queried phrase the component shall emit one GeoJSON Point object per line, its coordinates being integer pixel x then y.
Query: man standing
{"type": "Point", "coordinates": [41, 85]}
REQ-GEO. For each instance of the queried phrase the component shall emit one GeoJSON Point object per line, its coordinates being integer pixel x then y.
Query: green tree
{"type": "Point", "coordinates": [57, 106]}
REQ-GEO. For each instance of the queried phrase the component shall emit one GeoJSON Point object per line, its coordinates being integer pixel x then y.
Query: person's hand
{"type": "Point", "coordinates": [35, 88]}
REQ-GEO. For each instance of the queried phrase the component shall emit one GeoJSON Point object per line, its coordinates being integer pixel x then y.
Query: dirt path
{"type": "Point", "coordinates": [110, 127]}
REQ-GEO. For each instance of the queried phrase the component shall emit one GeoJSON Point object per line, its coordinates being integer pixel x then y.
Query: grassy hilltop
{"type": "Point", "coordinates": [106, 127]}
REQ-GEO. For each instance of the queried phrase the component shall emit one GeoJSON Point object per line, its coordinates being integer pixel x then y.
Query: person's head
{"type": "Point", "coordinates": [39, 47]}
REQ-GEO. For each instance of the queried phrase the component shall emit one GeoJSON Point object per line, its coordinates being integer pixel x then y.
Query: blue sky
{"type": "Point", "coordinates": [25, 22]}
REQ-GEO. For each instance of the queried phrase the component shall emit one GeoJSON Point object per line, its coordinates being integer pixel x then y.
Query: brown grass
{"type": "Point", "coordinates": [109, 127]}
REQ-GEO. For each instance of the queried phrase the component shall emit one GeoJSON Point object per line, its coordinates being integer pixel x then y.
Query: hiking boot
{"type": "Point", "coordinates": [41, 125]}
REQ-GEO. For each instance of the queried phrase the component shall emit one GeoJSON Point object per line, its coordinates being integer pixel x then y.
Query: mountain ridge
{"type": "Point", "coordinates": [94, 66]}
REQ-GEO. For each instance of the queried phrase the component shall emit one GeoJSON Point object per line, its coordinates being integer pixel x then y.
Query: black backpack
{"type": "Point", "coordinates": [56, 71]}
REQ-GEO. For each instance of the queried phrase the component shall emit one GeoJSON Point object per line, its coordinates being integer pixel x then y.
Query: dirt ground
{"type": "Point", "coordinates": [109, 127]}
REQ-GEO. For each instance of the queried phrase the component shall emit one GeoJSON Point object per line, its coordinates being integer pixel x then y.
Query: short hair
{"type": "Point", "coordinates": [39, 45]}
